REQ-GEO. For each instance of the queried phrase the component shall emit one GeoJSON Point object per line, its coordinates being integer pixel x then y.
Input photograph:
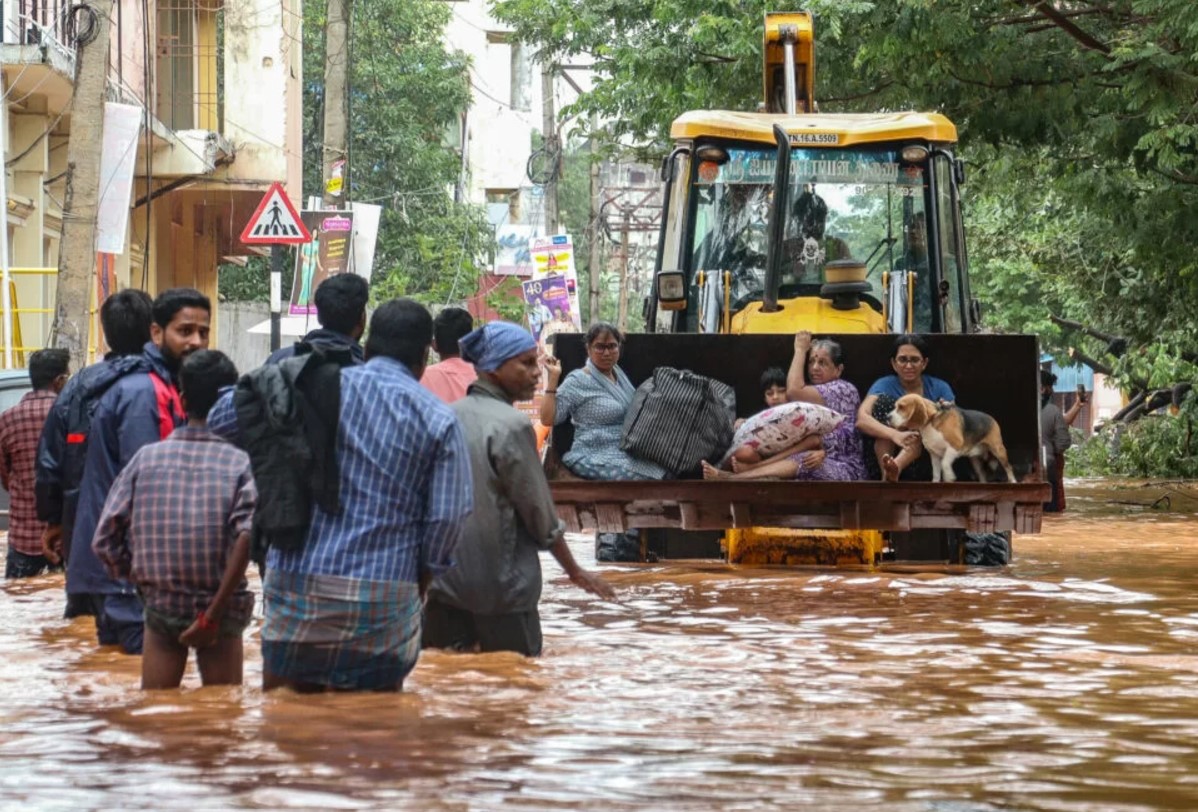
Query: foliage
{"type": "Point", "coordinates": [1156, 446]}
{"type": "Point", "coordinates": [1077, 119]}
{"type": "Point", "coordinates": [407, 92]}
{"type": "Point", "coordinates": [245, 283]}
{"type": "Point", "coordinates": [507, 299]}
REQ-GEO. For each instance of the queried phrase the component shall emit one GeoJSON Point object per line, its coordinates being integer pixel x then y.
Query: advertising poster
{"type": "Point", "coordinates": [326, 255]}
{"type": "Point", "coordinates": [555, 255]}
{"type": "Point", "coordinates": [511, 250]}
{"type": "Point", "coordinates": [547, 302]}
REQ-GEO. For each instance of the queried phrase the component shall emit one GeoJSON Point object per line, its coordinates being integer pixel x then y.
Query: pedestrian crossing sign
{"type": "Point", "coordinates": [276, 222]}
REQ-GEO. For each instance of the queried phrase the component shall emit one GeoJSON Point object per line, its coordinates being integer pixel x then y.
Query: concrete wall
{"type": "Point", "coordinates": [263, 65]}
{"type": "Point", "coordinates": [247, 350]}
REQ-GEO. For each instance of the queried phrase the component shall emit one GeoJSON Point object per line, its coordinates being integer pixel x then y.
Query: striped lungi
{"type": "Point", "coordinates": [346, 633]}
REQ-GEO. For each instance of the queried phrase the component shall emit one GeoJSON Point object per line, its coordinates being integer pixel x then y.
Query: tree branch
{"type": "Point", "coordinates": [1116, 345]}
{"type": "Point", "coordinates": [1013, 84]}
{"type": "Point", "coordinates": [1065, 24]}
{"type": "Point", "coordinates": [1031, 18]}
{"type": "Point", "coordinates": [865, 95]}
{"type": "Point", "coordinates": [716, 58]}
{"type": "Point", "coordinates": [1077, 355]}
{"type": "Point", "coordinates": [1176, 176]}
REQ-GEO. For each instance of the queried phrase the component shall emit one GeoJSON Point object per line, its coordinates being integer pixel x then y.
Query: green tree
{"type": "Point", "coordinates": [1077, 119]}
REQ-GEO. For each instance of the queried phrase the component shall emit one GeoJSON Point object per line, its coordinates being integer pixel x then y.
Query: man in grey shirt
{"type": "Point", "coordinates": [488, 600]}
{"type": "Point", "coordinates": [1054, 436]}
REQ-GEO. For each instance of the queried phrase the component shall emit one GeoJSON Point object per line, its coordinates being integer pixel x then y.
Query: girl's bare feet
{"type": "Point", "coordinates": [890, 469]}
{"type": "Point", "coordinates": [711, 472]}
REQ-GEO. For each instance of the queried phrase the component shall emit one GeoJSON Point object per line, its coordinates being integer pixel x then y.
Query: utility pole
{"type": "Point", "coordinates": [595, 258]}
{"type": "Point", "coordinates": [77, 252]}
{"type": "Point", "coordinates": [549, 131]}
{"type": "Point", "coordinates": [622, 320]}
{"type": "Point", "coordinates": [336, 103]}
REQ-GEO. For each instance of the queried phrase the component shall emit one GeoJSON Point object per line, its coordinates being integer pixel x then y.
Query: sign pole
{"type": "Point", "coordinates": [276, 296]}
{"type": "Point", "coordinates": [276, 223]}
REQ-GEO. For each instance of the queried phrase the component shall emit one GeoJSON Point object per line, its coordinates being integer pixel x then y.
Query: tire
{"type": "Point", "coordinates": [987, 549]}
{"type": "Point", "coordinates": [618, 546]}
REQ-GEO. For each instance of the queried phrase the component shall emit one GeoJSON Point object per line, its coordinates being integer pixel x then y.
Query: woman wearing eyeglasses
{"type": "Point", "coordinates": [595, 398]}
{"type": "Point", "coordinates": [897, 449]}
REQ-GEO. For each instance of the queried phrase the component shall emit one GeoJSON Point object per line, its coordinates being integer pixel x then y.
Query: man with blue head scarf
{"type": "Point", "coordinates": [488, 600]}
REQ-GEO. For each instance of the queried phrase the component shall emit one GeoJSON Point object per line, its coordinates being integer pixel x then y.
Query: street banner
{"type": "Point", "coordinates": [118, 154]}
{"type": "Point", "coordinates": [366, 234]}
{"type": "Point", "coordinates": [327, 254]}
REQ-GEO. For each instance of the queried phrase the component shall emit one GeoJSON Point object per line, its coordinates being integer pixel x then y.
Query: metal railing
{"type": "Point", "coordinates": [35, 14]}
{"type": "Point", "coordinates": [19, 347]}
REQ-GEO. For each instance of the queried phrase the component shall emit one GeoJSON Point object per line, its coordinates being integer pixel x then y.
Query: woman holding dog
{"type": "Point", "coordinates": [897, 449]}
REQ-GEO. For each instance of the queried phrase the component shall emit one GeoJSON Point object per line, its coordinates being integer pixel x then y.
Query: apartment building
{"type": "Point", "coordinates": [218, 84]}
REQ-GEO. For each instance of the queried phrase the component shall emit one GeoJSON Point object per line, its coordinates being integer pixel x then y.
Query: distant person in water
{"type": "Point", "coordinates": [449, 378]}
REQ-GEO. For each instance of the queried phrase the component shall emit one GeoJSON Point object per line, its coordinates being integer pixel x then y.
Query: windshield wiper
{"type": "Point", "coordinates": [886, 242]}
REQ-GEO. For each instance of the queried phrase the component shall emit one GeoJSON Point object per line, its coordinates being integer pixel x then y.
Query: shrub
{"type": "Point", "coordinates": [1155, 446]}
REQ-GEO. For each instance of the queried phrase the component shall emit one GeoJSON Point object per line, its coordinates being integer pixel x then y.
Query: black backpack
{"type": "Point", "coordinates": [287, 418]}
{"type": "Point", "coordinates": [67, 439]}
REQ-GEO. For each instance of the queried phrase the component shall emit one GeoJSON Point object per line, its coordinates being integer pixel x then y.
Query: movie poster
{"type": "Point", "coordinates": [552, 256]}
{"type": "Point", "coordinates": [326, 255]}
{"type": "Point", "coordinates": [547, 302]}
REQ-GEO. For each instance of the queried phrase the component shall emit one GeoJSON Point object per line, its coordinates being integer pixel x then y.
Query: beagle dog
{"type": "Point", "coordinates": [949, 432]}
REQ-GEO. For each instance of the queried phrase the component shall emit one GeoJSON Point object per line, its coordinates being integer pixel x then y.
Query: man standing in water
{"type": "Point", "coordinates": [343, 606]}
{"type": "Point", "coordinates": [488, 601]}
{"type": "Point", "coordinates": [137, 410]}
{"type": "Point", "coordinates": [20, 428]}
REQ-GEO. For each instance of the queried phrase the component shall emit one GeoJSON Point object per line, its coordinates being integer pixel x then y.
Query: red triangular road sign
{"type": "Point", "coordinates": [276, 222]}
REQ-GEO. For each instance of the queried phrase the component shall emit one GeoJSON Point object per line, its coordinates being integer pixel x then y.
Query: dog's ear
{"type": "Point", "coordinates": [919, 412]}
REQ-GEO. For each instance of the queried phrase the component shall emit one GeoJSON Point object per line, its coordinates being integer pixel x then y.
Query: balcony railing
{"type": "Point", "coordinates": [35, 15]}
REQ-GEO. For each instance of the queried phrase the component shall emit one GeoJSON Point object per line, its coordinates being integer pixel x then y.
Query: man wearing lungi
{"type": "Point", "coordinates": [343, 610]}
{"type": "Point", "coordinates": [488, 601]}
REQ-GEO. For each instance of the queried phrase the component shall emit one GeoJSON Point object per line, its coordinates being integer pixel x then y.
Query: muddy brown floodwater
{"type": "Point", "coordinates": [1067, 681]}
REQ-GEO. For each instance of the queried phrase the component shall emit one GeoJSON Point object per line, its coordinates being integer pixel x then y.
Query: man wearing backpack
{"type": "Point", "coordinates": [125, 318]}
{"type": "Point", "coordinates": [136, 410]}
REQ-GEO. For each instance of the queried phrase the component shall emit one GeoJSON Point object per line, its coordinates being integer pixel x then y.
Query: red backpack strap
{"type": "Point", "coordinates": [170, 407]}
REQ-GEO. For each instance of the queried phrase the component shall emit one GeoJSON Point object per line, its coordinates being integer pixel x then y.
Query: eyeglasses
{"type": "Point", "coordinates": [613, 347]}
{"type": "Point", "coordinates": [908, 360]}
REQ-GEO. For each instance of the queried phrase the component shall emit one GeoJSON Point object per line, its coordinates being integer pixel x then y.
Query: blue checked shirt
{"type": "Point", "coordinates": [406, 487]}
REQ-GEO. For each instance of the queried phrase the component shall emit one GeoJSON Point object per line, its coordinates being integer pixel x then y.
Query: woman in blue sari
{"type": "Point", "coordinates": [595, 398]}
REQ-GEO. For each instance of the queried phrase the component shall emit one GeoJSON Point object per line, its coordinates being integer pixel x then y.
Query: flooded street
{"type": "Point", "coordinates": [1067, 682]}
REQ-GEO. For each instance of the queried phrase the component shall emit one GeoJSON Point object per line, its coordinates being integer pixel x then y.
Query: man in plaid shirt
{"type": "Point", "coordinates": [177, 523]}
{"type": "Point", "coordinates": [20, 430]}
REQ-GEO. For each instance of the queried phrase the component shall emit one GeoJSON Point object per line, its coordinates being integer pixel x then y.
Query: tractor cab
{"type": "Point", "coordinates": [842, 224]}
{"type": "Point", "coordinates": [788, 219]}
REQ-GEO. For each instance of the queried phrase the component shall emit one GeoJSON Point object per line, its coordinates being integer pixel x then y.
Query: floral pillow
{"type": "Point", "coordinates": [779, 427]}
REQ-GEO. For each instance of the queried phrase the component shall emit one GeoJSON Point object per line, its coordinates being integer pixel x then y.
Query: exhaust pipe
{"type": "Point", "coordinates": [778, 210]}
